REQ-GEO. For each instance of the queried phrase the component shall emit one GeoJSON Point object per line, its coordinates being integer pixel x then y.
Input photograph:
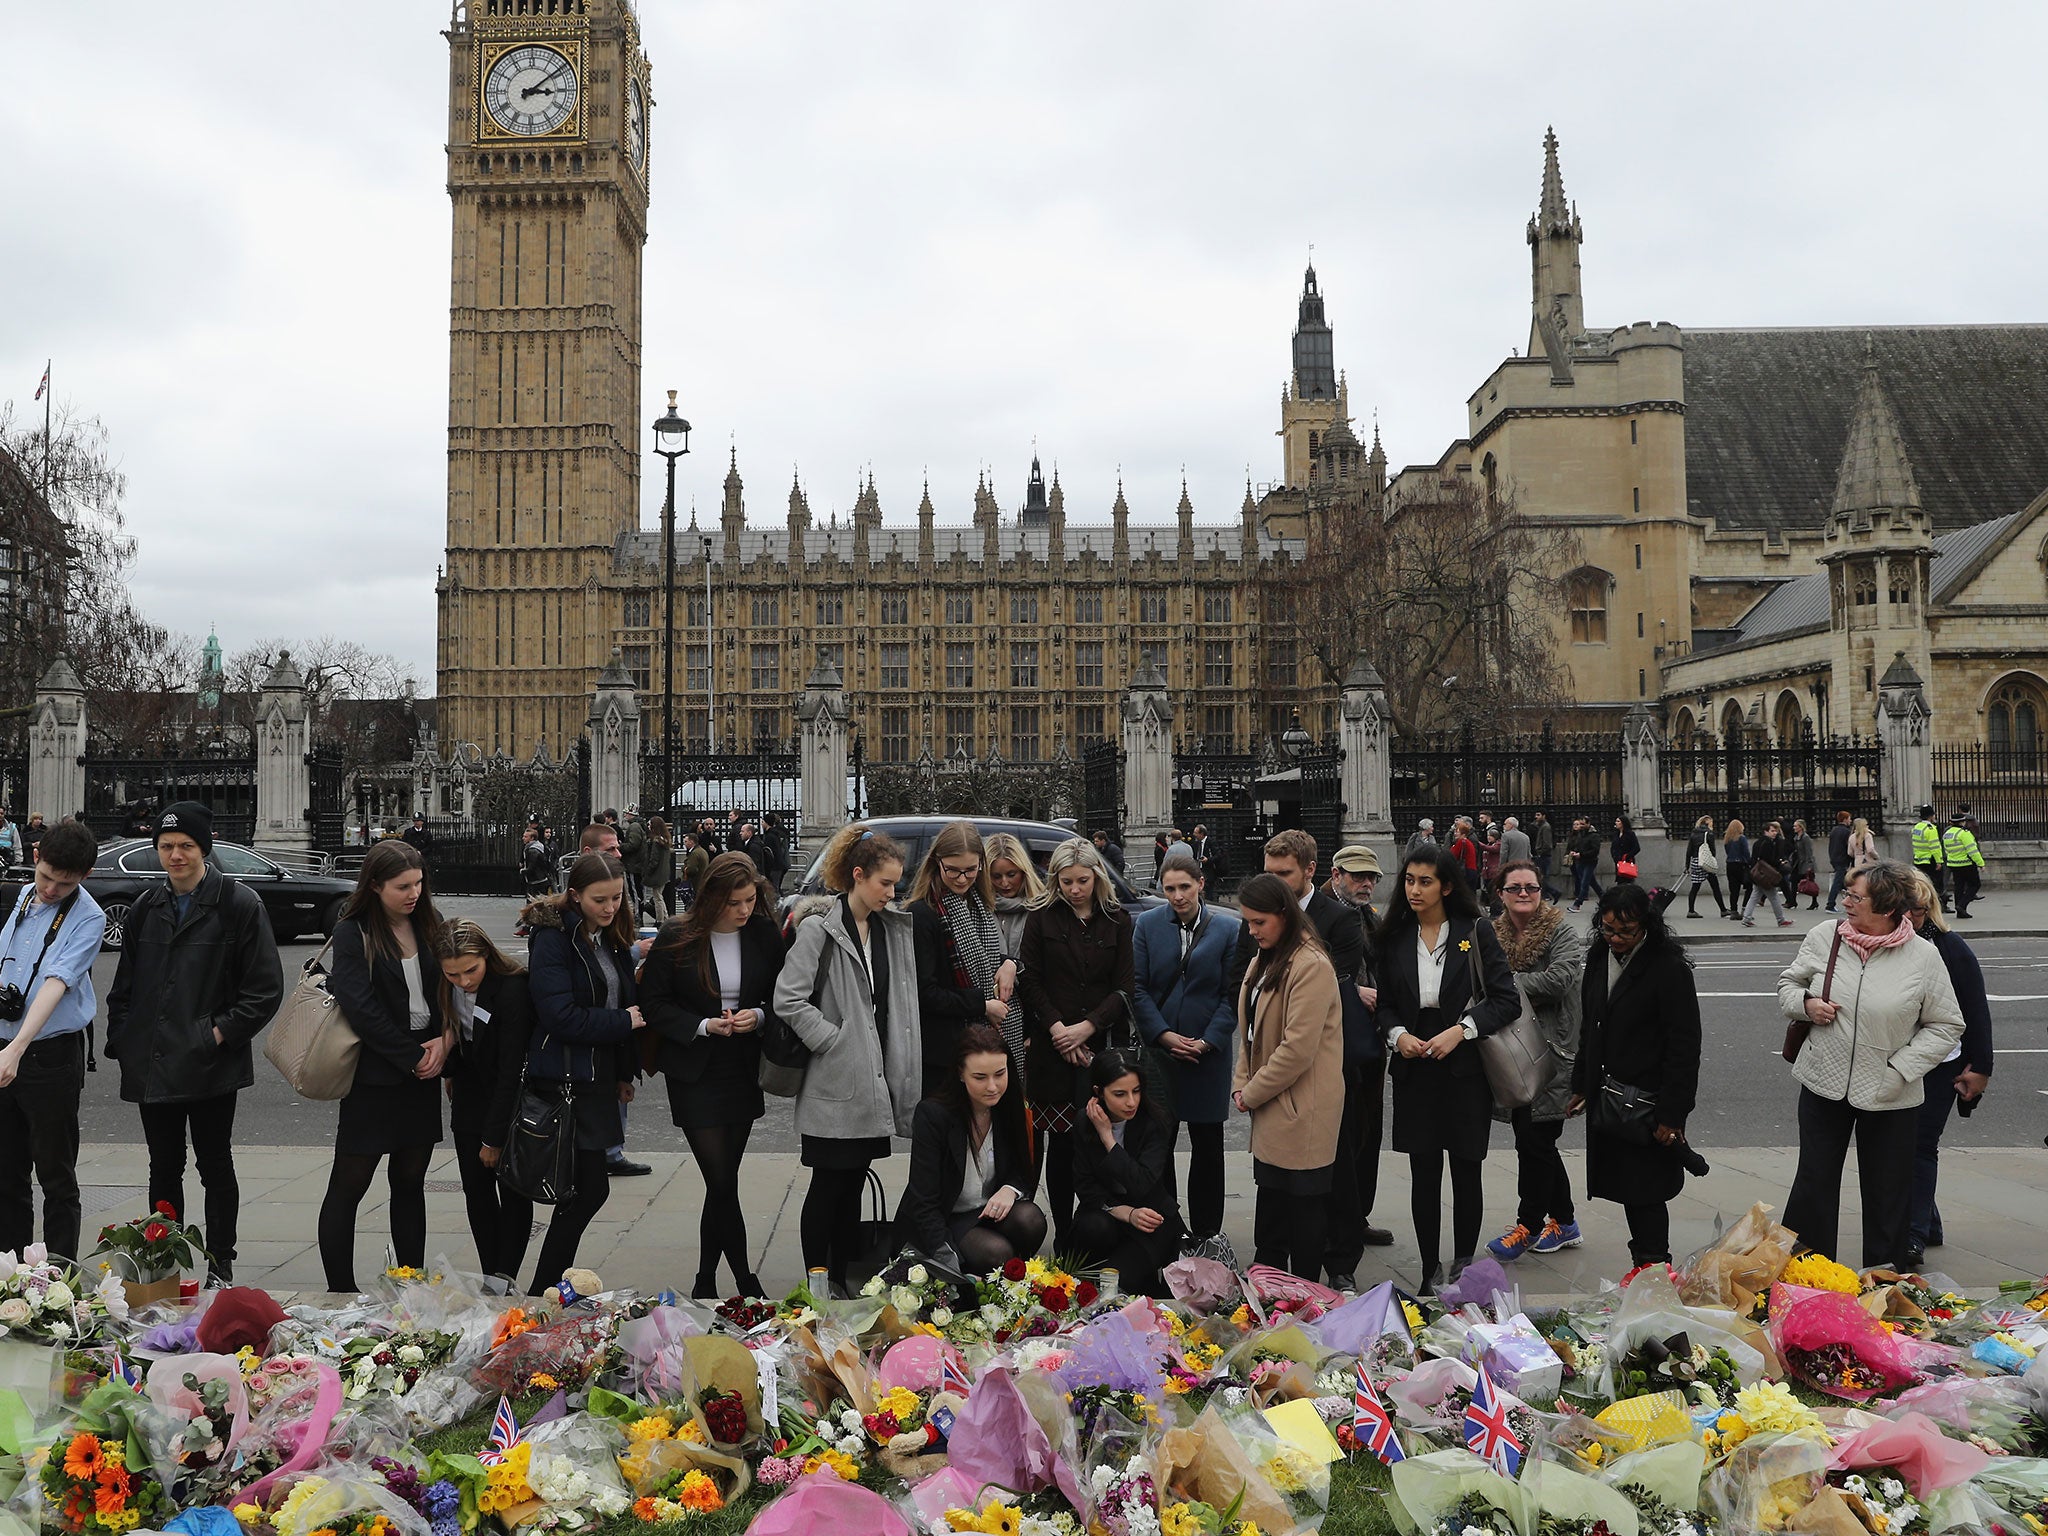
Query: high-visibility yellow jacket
{"type": "Point", "coordinates": [1959, 848]}
{"type": "Point", "coordinates": [1926, 843]}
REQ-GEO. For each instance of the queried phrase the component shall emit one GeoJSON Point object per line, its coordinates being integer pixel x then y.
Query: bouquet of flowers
{"type": "Point", "coordinates": [1026, 1298]}
{"type": "Point", "coordinates": [545, 1357]}
{"type": "Point", "coordinates": [1830, 1342]}
{"type": "Point", "coordinates": [153, 1248]}
{"type": "Point", "coordinates": [1706, 1374]}
{"type": "Point", "coordinates": [91, 1487]}
{"type": "Point", "coordinates": [45, 1302]}
{"type": "Point", "coordinates": [918, 1294]}
{"type": "Point", "coordinates": [392, 1365]}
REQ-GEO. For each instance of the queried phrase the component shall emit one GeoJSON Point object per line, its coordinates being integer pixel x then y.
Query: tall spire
{"type": "Point", "coordinates": [1558, 312]}
{"type": "Point", "coordinates": [1553, 214]}
{"type": "Point", "coordinates": [1315, 368]}
{"type": "Point", "coordinates": [1035, 513]}
{"type": "Point", "coordinates": [1876, 473]}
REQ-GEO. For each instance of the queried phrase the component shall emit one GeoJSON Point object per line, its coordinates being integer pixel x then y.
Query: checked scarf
{"type": "Point", "coordinates": [977, 951]}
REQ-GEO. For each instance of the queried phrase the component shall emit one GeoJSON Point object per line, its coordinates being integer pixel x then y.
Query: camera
{"type": "Point", "coordinates": [12, 1003]}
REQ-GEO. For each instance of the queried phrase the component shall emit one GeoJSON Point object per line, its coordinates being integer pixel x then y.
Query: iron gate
{"type": "Point", "coordinates": [718, 784]}
{"type": "Point", "coordinates": [1443, 775]}
{"type": "Point", "coordinates": [14, 785]}
{"type": "Point", "coordinates": [2005, 787]}
{"type": "Point", "coordinates": [1102, 790]}
{"type": "Point", "coordinates": [122, 794]}
{"type": "Point", "coordinates": [1809, 780]}
{"type": "Point", "coordinates": [326, 816]}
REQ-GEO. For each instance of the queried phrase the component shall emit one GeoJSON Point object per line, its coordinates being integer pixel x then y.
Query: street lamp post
{"type": "Point", "coordinates": [671, 441]}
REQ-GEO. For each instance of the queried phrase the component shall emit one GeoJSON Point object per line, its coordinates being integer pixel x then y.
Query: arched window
{"type": "Point", "coordinates": [1489, 471]}
{"type": "Point", "coordinates": [1786, 719]}
{"type": "Point", "coordinates": [1586, 597]}
{"type": "Point", "coordinates": [1682, 730]}
{"type": "Point", "coordinates": [1731, 722]}
{"type": "Point", "coordinates": [2013, 721]}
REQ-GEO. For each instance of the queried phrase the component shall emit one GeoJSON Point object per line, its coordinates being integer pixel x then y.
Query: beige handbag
{"type": "Point", "coordinates": [312, 1043]}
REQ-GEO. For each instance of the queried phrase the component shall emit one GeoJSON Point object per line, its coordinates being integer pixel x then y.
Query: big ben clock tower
{"type": "Point", "coordinates": [547, 168]}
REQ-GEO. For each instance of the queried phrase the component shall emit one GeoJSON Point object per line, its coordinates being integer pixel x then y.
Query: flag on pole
{"type": "Point", "coordinates": [40, 388]}
{"type": "Point", "coordinates": [952, 1378]}
{"type": "Point", "coordinates": [1371, 1423]}
{"type": "Point", "coordinates": [505, 1433]}
{"type": "Point", "coordinates": [1487, 1431]}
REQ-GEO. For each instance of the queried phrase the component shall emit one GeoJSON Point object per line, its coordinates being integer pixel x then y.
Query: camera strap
{"type": "Point", "coordinates": [28, 992]}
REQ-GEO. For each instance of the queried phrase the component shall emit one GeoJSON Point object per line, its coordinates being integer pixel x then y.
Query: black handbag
{"type": "Point", "coordinates": [784, 1056]}
{"type": "Point", "coordinates": [875, 1234]}
{"type": "Point", "coordinates": [1625, 1112]}
{"type": "Point", "coordinates": [539, 1160]}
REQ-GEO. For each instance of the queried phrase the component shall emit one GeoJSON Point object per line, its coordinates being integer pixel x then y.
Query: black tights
{"type": "Point", "coordinates": [1425, 1204]}
{"type": "Point", "coordinates": [830, 1224]}
{"type": "Point", "coordinates": [987, 1246]}
{"type": "Point", "coordinates": [1205, 1176]}
{"type": "Point", "coordinates": [722, 1228]}
{"type": "Point", "coordinates": [572, 1216]}
{"type": "Point", "coordinates": [1056, 1157]}
{"type": "Point", "coordinates": [347, 1183]}
{"type": "Point", "coordinates": [1713, 883]}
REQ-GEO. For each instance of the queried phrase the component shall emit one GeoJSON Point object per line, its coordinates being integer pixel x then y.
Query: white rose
{"type": "Point", "coordinates": [58, 1295]}
{"type": "Point", "coordinates": [873, 1287]}
{"type": "Point", "coordinates": [905, 1300]}
{"type": "Point", "coordinates": [850, 1419]}
{"type": "Point", "coordinates": [941, 1316]}
{"type": "Point", "coordinates": [14, 1312]}
{"type": "Point", "coordinates": [919, 1274]}
{"type": "Point", "coordinates": [410, 1354]}
{"type": "Point", "coordinates": [60, 1330]}
{"type": "Point", "coordinates": [824, 1429]}
{"type": "Point", "coordinates": [851, 1445]}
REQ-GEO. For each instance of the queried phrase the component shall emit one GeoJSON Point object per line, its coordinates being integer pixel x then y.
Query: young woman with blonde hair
{"type": "Point", "coordinates": [1014, 879]}
{"type": "Point", "coordinates": [483, 994]}
{"type": "Point", "coordinates": [963, 975]}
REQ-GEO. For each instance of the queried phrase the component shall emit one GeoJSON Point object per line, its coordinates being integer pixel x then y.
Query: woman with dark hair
{"type": "Point", "coordinates": [963, 975]}
{"type": "Point", "coordinates": [1699, 851]}
{"type": "Point", "coordinates": [1627, 849]}
{"type": "Point", "coordinates": [1127, 1215]}
{"type": "Point", "coordinates": [707, 988]}
{"type": "Point", "coordinates": [967, 1204]}
{"type": "Point", "coordinates": [1639, 1067]}
{"type": "Point", "coordinates": [1076, 971]}
{"type": "Point", "coordinates": [382, 948]}
{"type": "Point", "coordinates": [1289, 1076]}
{"type": "Point", "coordinates": [1882, 1013]}
{"type": "Point", "coordinates": [580, 959]}
{"type": "Point", "coordinates": [849, 991]}
{"type": "Point", "coordinates": [1770, 875]}
{"type": "Point", "coordinates": [1444, 983]}
{"type": "Point", "coordinates": [484, 996]}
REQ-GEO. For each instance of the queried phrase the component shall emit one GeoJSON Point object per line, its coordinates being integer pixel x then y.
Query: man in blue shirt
{"type": "Point", "coordinates": [47, 947]}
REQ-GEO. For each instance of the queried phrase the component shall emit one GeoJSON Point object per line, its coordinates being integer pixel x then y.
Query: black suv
{"type": "Point", "coordinates": [298, 901]}
{"type": "Point", "coordinates": [915, 833]}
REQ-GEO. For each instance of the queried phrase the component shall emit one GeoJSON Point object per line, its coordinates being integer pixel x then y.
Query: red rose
{"type": "Point", "coordinates": [1086, 1293]}
{"type": "Point", "coordinates": [165, 1208]}
{"type": "Point", "coordinates": [1014, 1270]}
{"type": "Point", "coordinates": [155, 1232]}
{"type": "Point", "coordinates": [1054, 1298]}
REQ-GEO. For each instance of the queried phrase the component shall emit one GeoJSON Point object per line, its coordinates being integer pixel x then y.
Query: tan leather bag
{"type": "Point", "coordinates": [312, 1043]}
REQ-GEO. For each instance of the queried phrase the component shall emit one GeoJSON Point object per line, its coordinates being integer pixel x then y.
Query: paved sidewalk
{"type": "Point", "coordinates": [2008, 914]}
{"type": "Point", "coordinates": [646, 1236]}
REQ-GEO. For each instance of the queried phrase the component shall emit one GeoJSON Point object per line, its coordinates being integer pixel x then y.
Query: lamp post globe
{"type": "Point", "coordinates": [671, 441]}
{"type": "Point", "coordinates": [1294, 739]}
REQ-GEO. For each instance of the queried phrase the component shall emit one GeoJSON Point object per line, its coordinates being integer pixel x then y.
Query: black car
{"type": "Point", "coordinates": [915, 833]}
{"type": "Point", "coordinates": [298, 901]}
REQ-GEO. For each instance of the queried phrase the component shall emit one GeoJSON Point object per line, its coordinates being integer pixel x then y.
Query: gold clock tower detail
{"type": "Point", "coordinates": [548, 149]}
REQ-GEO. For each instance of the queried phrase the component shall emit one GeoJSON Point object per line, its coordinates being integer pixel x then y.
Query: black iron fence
{"type": "Point", "coordinates": [1810, 780]}
{"type": "Point", "coordinates": [1218, 791]}
{"type": "Point", "coordinates": [326, 813]}
{"type": "Point", "coordinates": [1447, 774]}
{"type": "Point", "coordinates": [14, 785]}
{"type": "Point", "coordinates": [2006, 788]}
{"type": "Point", "coordinates": [1320, 810]}
{"type": "Point", "coordinates": [485, 865]}
{"type": "Point", "coordinates": [716, 784]}
{"type": "Point", "coordinates": [125, 794]}
{"type": "Point", "coordinates": [1102, 789]}
{"type": "Point", "coordinates": [962, 786]}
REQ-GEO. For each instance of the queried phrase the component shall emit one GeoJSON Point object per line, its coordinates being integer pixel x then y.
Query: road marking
{"type": "Point", "coordinates": [1996, 997]}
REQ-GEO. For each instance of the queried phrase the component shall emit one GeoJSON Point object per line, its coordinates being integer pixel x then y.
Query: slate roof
{"type": "Point", "coordinates": [1767, 416]}
{"type": "Point", "coordinates": [643, 547]}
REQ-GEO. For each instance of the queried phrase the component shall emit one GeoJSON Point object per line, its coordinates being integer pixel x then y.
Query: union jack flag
{"type": "Point", "coordinates": [1372, 1424]}
{"type": "Point", "coordinates": [2004, 1319]}
{"type": "Point", "coordinates": [46, 382]}
{"type": "Point", "coordinates": [952, 1377]}
{"type": "Point", "coordinates": [1487, 1431]}
{"type": "Point", "coordinates": [505, 1433]}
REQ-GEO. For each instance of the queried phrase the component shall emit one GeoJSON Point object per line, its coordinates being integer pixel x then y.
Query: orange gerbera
{"type": "Point", "coordinates": [644, 1509]}
{"type": "Point", "coordinates": [698, 1492]}
{"type": "Point", "coordinates": [110, 1501]}
{"type": "Point", "coordinates": [82, 1457]}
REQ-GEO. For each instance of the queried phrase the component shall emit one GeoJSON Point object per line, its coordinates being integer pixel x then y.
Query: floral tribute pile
{"type": "Point", "coordinates": [1753, 1390]}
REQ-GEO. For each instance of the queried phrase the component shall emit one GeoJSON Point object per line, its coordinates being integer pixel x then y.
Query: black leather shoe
{"type": "Point", "coordinates": [706, 1288]}
{"type": "Point", "coordinates": [625, 1168]}
{"type": "Point", "coordinates": [1343, 1283]}
{"type": "Point", "coordinates": [1915, 1258]}
{"type": "Point", "coordinates": [1378, 1237]}
{"type": "Point", "coordinates": [1430, 1282]}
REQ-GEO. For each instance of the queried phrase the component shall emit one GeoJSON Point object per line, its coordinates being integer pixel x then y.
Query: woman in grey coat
{"type": "Point", "coordinates": [1548, 957]}
{"type": "Point", "coordinates": [849, 991]}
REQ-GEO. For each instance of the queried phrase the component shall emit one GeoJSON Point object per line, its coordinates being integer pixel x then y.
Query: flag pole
{"type": "Point", "coordinates": [49, 398]}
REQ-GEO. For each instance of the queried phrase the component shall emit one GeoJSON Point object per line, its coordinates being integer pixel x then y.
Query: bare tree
{"type": "Point", "coordinates": [360, 699]}
{"type": "Point", "coordinates": [1450, 592]}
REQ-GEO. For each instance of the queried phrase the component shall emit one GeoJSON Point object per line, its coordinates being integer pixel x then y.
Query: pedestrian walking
{"type": "Point", "coordinates": [1289, 1076]}
{"type": "Point", "coordinates": [1702, 866]}
{"type": "Point", "coordinates": [707, 988]}
{"type": "Point", "coordinates": [536, 871]}
{"type": "Point", "coordinates": [1882, 1012]}
{"type": "Point", "coordinates": [198, 979]}
{"type": "Point", "coordinates": [1111, 850]}
{"type": "Point", "coordinates": [696, 864]}
{"type": "Point", "coordinates": [1181, 957]}
{"type": "Point", "coordinates": [1126, 1215]}
{"type": "Point", "coordinates": [1075, 977]}
{"type": "Point", "coordinates": [1927, 852]}
{"type": "Point", "coordinates": [418, 835]}
{"type": "Point", "coordinates": [12, 853]}
{"type": "Point", "coordinates": [1465, 848]}
{"type": "Point", "coordinates": [1548, 958]}
{"type": "Point", "coordinates": [1863, 850]}
{"type": "Point", "coordinates": [1959, 1079]}
{"type": "Point", "coordinates": [1514, 843]}
{"type": "Point", "coordinates": [47, 947]}
{"type": "Point", "coordinates": [1491, 857]}
{"type": "Point", "coordinates": [1627, 849]}
{"type": "Point", "coordinates": [32, 838]}
{"type": "Point", "coordinates": [849, 991]}
{"type": "Point", "coordinates": [633, 857]}
{"type": "Point", "coordinates": [1963, 860]}
{"type": "Point", "coordinates": [1582, 854]}
{"type": "Point", "coordinates": [1735, 854]}
{"type": "Point", "coordinates": [485, 996]}
{"type": "Point", "coordinates": [585, 1013]}
{"type": "Point", "coordinates": [1542, 848]}
{"type": "Point", "coordinates": [1424, 835]}
{"type": "Point", "coordinates": [1355, 1185]}
{"type": "Point", "coordinates": [963, 975]}
{"type": "Point", "coordinates": [967, 1203]}
{"type": "Point", "coordinates": [1802, 875]}
{"type": "Point", "coordinates": [383, 949]}
{"type": "Point", "coordinates": [1770, 873]}
{"type": "Point", "coordinates": [1839, 860]}
{"type": "Point", "coordinates": [1013, 878]}
{"type": "Point", "coordinates": [658, 872]}
{"type": "Point", "coordinates": [1443, 983]}
{"type": "Point", "coordinates": [1638, 1069]}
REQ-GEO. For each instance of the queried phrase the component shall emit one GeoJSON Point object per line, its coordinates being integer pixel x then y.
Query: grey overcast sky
{"type": "Point", "coordinates": [920, 236]}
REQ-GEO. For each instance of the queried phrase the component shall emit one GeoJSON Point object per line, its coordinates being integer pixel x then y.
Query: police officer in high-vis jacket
{"type": "Point", "coordinates": [1927, 852]}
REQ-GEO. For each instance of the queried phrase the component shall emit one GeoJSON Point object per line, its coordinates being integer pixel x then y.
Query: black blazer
{"type": "Point", "coordinates": [486, 1067]}
{"type": "Point", "coordinates": [1338, 924]}
{"type": "Point", "coordinates": [1401, 989]}
{"type": "Point", "coordinates": [675, 1000]}
{"type": "Point", "coordinates": [1138, 1173]}
{"type": "Point", "coordinates": [373, 999]}
{"type": "Point", "coordinates": [938, 1167]}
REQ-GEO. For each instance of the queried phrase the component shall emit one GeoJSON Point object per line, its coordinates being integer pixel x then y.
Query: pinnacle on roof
{"type": "Point", "coordinates": [1186, 509]}
{"type": "Point", "coordinates": [1553, 214]}
{"type": "Point", "coordinates": [1875, 472]}
{"type": "Point", "coordinates": [1250, 506]}
{"type": "Point", "coordinates": [1900, 673]}
{"type": "Point", "coordinates": [1120, 507]}
{"type": "Point", "coordinates": [1379, 454]}
{"type": "Point", "coordinates": [732, 469]}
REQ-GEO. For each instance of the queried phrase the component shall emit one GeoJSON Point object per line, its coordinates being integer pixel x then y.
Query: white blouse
{"type": "Point", "coordinates": [725, 958]}
{"type": "Point", "coordinates": [1429, 966]}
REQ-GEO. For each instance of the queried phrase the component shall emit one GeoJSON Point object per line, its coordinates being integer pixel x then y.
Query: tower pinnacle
{"type": "Point", "coordinates": [1558, 312]}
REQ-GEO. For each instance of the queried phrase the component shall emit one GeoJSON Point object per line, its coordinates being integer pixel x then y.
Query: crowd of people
{"type": "Point", "coordinates": [1042, 1051]}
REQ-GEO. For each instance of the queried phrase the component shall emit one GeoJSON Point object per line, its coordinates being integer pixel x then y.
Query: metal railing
{"type": "Point", "coordinates": [2006, 788]}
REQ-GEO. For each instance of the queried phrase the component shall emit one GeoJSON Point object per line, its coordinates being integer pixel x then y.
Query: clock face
{"type": "Point", "coordinates": [531, 89]}
{"type": "Point", "coordinates": [636, 126]}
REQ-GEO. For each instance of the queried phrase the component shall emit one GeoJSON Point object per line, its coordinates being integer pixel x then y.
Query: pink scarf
{"type": "Point", "coordinates": [1868, 944]}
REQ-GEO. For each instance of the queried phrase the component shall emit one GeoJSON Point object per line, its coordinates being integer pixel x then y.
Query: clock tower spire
{"type": "Point", "coordinates": [548, 151]}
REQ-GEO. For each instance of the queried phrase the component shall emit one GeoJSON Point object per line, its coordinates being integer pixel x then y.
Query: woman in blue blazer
{"type": "Point", "coordinates": [1188, 1016]}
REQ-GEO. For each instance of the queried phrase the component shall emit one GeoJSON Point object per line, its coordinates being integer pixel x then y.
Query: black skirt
{"type": "Point", "coordinates": [728, 1092]}
{"type": "Point", "coordinates": [1438, 1108]}
{"type": "Point", "coordinates": [381, 1118]}
{"type": "Point", "coordinates": [844, 1153]}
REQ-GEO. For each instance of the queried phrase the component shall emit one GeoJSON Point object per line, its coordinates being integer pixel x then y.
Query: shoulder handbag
{"type": "Point", "coordinates": [784, 1056]}
{"type": "Point", "coordinates": [1517, 1059]}
{"type": "Point", "coordinates": [1709, 861]}
{"type": "Point", "coordinates": [1625, 868]}
{"type": "Point", "coordinates": [1625, 1112]}
{"type": "Point", "coordinates": [312, 1042]}
{"type": "Point", "coordinates": [539, 1160]}
{"type": "Point", "coordinates": [1796, 1030]}
{"type": "Point", "coordinates": [1765, 875]}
